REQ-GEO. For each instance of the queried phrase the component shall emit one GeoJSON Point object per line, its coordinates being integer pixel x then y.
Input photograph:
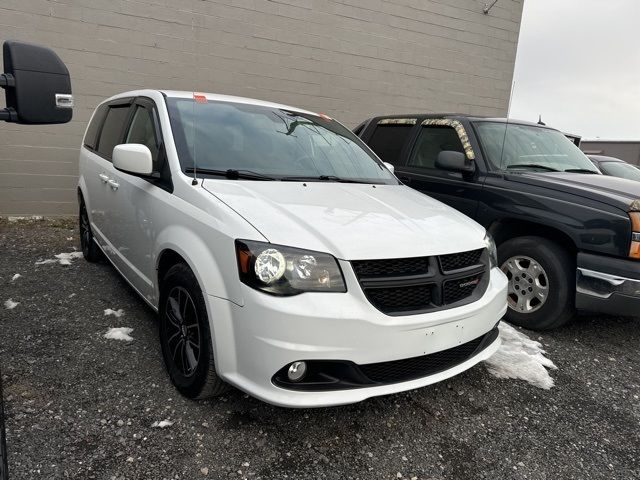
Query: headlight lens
{"type": "Point", "coordinates": [634, 251]}
{"type": "Point", "coordinates": [281, 270]}
{"type": "Point", "coordinates": [492, 249]}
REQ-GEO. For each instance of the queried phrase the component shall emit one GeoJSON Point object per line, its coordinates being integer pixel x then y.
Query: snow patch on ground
{"type": "Point", "coordinates": [61, 258]}
{"type": "Point", "coordinates": [116, 313]}
{"type": "Point", "coordinates": [25, 219]}
{"type": "Point", "coordinates": [10, 304]}
{"type": "Point", "coordinates": [521, 358]}
{"type": "Point", "coordinates": [15, 277]}
{"type": "Point", "coordinates": [162, 424]}
{"type": "Point", "coordinates": [119, 333]}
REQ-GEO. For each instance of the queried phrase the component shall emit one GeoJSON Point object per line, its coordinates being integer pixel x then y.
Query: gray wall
{"type": "Point", "coordinates": [628, 151]}
{"type": "Point", "coordinates": [348, 58]}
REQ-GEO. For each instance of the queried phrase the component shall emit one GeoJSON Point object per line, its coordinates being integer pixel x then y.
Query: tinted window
{"type": "Point", "coordinates": [387, 141]}
{"type": "Point", "coordinates": [142, 131]}
{"type": "Point", "coordinates": [431, 142]}
{"type": "Point", "coordinates": [91, 137]}
{"type": "Point", "coordinates": [270, 141]}
{"type": "Point", "coordinates": [111, 134]}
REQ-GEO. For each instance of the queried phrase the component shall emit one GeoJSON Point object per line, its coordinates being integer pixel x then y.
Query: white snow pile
{"type": "Point", "coordinates": [15, 277]}
{"type": "Point", "coordinates": [119, 333]}
{"type": "Point", "coordinates": [521, 358]}
{"type": "Point", "coordinates": [61, 258]}
{"type": "Point", "coordinates": [116, 313]}
{"type": "Point", "coordinates": [10, 304]}
{"type": "Point", "coordinates": [162, 424]}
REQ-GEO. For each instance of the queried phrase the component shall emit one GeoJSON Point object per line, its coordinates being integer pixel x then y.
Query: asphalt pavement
{"type": "Point", "coordinates": [79, 405]}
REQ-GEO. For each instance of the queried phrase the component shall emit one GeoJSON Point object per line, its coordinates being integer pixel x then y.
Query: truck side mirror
{"type": "Point", "coordinates": [37, 85]}
{"type": "Point", "coordinates": [455, 162]}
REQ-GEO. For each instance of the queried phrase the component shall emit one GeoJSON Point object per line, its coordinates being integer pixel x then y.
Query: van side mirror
{"type": "Point", "coordinates": [133, 158]}
{"type": "Point", "coordinates": [37, 85]}
{"type": "Point", "coordinates": [454, 162]}
{"type": "Point", "coordinates": [390, 167]}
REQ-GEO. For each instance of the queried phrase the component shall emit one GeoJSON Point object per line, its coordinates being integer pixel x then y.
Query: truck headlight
{"type": "Point", "coordinates": [282, 270]}
{"type": "Point", "coordinates": [634, 251]}
{"type": "Point", "coordinates": [492, 249]}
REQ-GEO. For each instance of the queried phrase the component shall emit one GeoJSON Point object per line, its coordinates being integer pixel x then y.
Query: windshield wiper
{"type": "Point", "coordinates": [532, 165]}
{"type": "Point", "coordinates": [231, 173]}
{"type": "Point", "coordinates": [581, 170]}
{"type": "Point", "coordinates": [323, 178]}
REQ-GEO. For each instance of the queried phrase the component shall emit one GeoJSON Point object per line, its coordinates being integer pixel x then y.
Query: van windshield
{"type": "Point", "coordinates": [269, 143]}
{"type": "Point", "coordinates": [527, 147]}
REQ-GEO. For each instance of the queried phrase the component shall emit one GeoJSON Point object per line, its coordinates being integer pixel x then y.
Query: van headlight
{"type": "Point", "coordinates": [281, 270]}
{"type": "Point", "coordinates": [492, 249]}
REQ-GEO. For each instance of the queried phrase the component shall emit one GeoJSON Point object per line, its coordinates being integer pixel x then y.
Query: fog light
{"type": "Point", "coordinates": [296, 371]}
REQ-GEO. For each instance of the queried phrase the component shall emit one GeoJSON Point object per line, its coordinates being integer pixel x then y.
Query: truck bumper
{"type": "Point", "coordinates": [608, 285]}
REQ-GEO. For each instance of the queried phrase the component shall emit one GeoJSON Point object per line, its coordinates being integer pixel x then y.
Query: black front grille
{"type": "Point", "coordinates": [400, 299]}
{"type": "Point", "coordinates": [458, 289]}
{"type": "Point", "coordinates": [458, 261]}
{"type": "Point", "coordinates": [414, 285]}
{"type": "Point", "coordinates": [393, 267]}
{"type": "Point", "coordinates": [417, 367]}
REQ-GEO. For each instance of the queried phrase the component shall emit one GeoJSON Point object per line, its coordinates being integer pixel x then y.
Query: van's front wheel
{"type": "Point", "coordinates": [541, 275]}
{"type": "Point", "coordinates": [185, 337]}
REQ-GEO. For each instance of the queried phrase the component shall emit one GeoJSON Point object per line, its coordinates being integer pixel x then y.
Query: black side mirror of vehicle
{"type": "Point", "coordinates": [455, 162]}
{"type": "Point", "coordinates": [37, 85]}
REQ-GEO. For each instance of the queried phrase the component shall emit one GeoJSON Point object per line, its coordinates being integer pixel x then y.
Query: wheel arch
{"type": "Point", "coordinates": [506, 229]}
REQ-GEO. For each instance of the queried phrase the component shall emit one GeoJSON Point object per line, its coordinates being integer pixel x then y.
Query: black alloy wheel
{"type": "Point", "coordinates": [185, 337]}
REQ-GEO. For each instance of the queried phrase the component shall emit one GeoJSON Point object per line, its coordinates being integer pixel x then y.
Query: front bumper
{"type": "Point", "coordinates": [253, 342]}
{"type": "Point", "coordinates": [608, 285]}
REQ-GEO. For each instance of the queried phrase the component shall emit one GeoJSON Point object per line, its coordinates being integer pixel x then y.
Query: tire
{"type": "Point", "coordinates": [541, 282]}
{"type": "Point", "coordinates": [185, 337]}
{"type": "Point", "coordinates": [90, 249]}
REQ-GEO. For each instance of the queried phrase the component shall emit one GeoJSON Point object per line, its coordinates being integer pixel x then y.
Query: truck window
{"type": "Point", "coordinates": [112, 130]}
{"type": "Point", "coordinates": [387, 141]}
{"type": "Point", "coordinates": [431, 141]}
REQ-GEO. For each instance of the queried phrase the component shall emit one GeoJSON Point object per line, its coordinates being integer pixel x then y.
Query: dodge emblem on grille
{"type": "Point", "coordinates": [469, 283]}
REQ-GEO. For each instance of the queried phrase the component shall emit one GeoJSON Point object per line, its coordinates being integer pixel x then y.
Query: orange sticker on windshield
{"type": "Point", "coordinates": [199, 98]}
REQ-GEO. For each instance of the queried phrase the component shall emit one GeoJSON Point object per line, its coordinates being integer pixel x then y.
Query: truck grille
{"type": "Point", "coordinates": [406, 286]}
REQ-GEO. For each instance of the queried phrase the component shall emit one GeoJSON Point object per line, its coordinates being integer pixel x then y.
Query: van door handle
{"type": "Point", "coordinates": [113, 184]}
{"type": "Point", "coordinates": [104, 177]}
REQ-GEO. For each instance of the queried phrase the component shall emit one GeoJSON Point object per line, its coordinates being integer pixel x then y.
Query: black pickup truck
{"type": "Point", "coordinates": [568, 237]}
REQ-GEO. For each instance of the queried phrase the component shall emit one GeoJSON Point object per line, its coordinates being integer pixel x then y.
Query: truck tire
{"type": "Point", "coordinates": [542, 282]}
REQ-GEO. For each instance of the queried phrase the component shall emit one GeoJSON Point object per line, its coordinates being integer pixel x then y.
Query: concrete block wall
{"type": "Point", "coordinates": [348, 58]}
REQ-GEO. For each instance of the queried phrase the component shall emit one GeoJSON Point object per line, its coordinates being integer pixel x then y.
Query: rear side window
{"type": "Point", "coordinates": [91, 137]}
{"type": "Point", "coordinates": [431, 142]}
{"type": "Point", "coordinates": [387, 141]}
{"type": "Point", "coordinates": [112, 130]}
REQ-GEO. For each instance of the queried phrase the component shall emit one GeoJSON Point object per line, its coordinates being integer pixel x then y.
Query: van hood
{"type": "Point", "coordinates": [350, 221]}
{"type": "Point", "coordinates": [614, 191]}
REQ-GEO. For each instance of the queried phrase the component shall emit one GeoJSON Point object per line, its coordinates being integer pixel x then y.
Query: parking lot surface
{"type": "Point", "coordinates": [83, 406]}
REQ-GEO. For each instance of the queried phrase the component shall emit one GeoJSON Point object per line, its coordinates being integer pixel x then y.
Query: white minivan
{"type": "Point", "coordinates": [282, 255]}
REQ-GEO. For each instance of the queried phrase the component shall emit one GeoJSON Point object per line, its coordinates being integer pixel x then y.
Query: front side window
{"type": "Point", "coordinates": [112, 130]}
{"type": "Point", "coordinates": [431, 141]}
{"type": "Point", "coordinates": [269, 141]}
{"type": "Point", "coordinates": [142, 131]}
{"type": "Point", "coordinates": [528, 147]}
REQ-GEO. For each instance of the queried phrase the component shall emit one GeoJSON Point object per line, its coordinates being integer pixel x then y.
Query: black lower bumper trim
{"type": "Point", "coordinates": [326, 375]}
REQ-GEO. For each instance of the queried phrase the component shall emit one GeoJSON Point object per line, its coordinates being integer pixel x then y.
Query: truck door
{"type": "Point", "coordinates": [458, 190]}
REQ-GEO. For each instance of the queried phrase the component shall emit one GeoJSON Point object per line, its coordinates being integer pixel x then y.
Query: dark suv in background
{"type": "Point", "coordinates": [568, 237]}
